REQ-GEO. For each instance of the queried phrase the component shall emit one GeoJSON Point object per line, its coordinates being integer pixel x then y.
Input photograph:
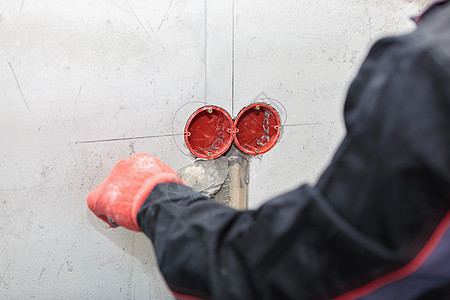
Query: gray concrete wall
{"type": "Point", "coordinates": [86, 83]}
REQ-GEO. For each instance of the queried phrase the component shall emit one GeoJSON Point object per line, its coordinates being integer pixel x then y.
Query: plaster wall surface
{"type": "Point", "coordinates": [86, 83]}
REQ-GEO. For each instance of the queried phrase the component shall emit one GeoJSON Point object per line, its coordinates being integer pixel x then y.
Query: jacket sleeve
{"type": "Point", "coordinates": [383, 201]}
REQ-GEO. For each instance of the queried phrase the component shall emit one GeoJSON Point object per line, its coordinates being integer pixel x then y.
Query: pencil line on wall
{"type": "Point", "coordinates": [302, 124]}
{"type": "Point", "coordinates": [18, 86]}
{"type": "Point", "coordinates": [127, 138]}
{"type": "Point", "coordinates": [206, 53]}
{"type": "Point", "coordinates": [232, 64]}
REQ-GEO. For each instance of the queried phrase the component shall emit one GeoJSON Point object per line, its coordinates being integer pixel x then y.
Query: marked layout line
{"type": "Point", "coordinates": [18, 85]}
{"type": "Point", "coordinates": [127, 138]}
{"type": "Point", "coordinates": [302, 124]}
{"type": "Point", "coordinates": [232, 63]}
{"type": "Point", "coordinates": [165, 16]}
{"type": "Point", "coordinates": [139, 21]}
{"type": "Point", "coordinates": [206, 51]}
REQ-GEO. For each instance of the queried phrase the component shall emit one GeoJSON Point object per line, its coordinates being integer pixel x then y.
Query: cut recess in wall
{"type": "Point", "coordinates": [209, 133]}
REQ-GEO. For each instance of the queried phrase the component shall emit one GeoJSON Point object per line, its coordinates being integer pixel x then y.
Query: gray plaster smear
{"type": "Point", "coordinates": [86, 83]}
{"type": "Point", "coordinates": [205, 176]}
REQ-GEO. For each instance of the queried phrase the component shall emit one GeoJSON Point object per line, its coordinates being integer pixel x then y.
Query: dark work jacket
{"type": "Point", "coordinates": [376, 225]}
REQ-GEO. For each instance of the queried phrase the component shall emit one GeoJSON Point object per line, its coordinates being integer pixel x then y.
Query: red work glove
{"type": "Point", "coordinates": [117, 199]}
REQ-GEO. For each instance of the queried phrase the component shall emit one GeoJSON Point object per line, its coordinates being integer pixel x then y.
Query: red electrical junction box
{"type": "Point", "coordinates": [257, 128]}
{"type": "Point", "coordinates": [208, 132]}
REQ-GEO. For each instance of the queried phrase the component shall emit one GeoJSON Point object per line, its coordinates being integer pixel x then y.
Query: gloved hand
{"type": "Point", "coordinates": [123, 192]}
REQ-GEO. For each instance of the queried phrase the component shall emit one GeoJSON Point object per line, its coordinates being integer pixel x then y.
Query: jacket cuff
{"type": "Point", "coordinates": [147, 188]}
{"type": "Point", "coordinates": [162, 195]}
